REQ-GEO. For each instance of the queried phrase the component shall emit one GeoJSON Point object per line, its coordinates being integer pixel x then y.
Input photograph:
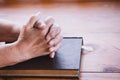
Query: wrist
{"type": "Point", "coordinates": [21, 49]}
{"type": "Point", "coordinates": [16, 54]}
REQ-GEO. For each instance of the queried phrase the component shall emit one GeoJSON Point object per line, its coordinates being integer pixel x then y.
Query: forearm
{"type": "Point", "coordinates": [9, 31]}
{"type": "Point", "coordinates": [9, 55]}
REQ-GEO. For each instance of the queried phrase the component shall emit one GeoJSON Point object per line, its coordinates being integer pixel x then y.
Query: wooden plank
{"type": "Point", "coordinates": [1, 79]}
{"type": "Point", "coordinates": [39, 73]}
{"type": "Point", "coordinates": [41, 78]}
{"type": "Point", "coordinates": [91, 17]}
{"type": "Point", "coordinates": [106, 55]}
{"type": "Point", "coordinates": [46, 1]}
{"type": "Point", "coordinates": [83, 76]}
{"type": "Point", "coordinates": [100, 76]}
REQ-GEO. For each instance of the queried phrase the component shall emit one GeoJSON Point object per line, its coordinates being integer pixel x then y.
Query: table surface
{"type": "Point", "coordinates": [97, 22]}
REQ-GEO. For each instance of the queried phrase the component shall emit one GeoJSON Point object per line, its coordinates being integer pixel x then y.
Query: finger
{"type": "Point", "coordinates": [57, 47]}
{"type": "Point", "coordinates": [49, 22]}
{"type": "Point", "coordinates": [55, 40]}
{"type": "Point", "coordinates": [33, 20]}
{"type": "Point", "coordinates": [53, 50]}
{"type": "Point", "coordinates": [54, 31]}
{"type": "Point", "coordinates": [40, 25]}
{"type": "Point", "coordinates": [52, 55]}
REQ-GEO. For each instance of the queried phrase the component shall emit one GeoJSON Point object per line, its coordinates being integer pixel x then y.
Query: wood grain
{"type": "Point", "coordinates": [97, 22]}
{"type": "Point", "coordinates": [1, 79]}
{"type": "Point", "coordinates": [100, 76]}
{"type": "Point", "coordinates": [46, 1]}
{"type": "Point", "coordinates": [39, 73]}
{"type": "Point", "coordinates": [19, 78]}
{"type": "Point", "coordinates": [106, 55]}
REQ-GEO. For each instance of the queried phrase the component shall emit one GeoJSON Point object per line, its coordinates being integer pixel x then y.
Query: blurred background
{"type": "Point", "coordinates": [45, 1]}
{"type": "Point", "coordinates": [79, 16]}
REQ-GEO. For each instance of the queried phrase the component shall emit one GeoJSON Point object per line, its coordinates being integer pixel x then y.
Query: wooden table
{"type": "Point", "coordinates": [97, 22]}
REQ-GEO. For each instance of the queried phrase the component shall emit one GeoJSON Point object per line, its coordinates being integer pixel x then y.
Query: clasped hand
{"type": "Point", "coordinates": [38, 38]}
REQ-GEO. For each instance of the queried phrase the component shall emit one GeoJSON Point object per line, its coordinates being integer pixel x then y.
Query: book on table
{"type": "Point", "coordinates": [66, 62]}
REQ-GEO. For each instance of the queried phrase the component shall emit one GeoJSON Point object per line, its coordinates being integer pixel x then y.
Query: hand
{"type": "Point", "coordinates": [54, 39]}
{"type": "Point", "coordinates": [52, 33]}
{"type": "Point", "coordinates": [36, 38]}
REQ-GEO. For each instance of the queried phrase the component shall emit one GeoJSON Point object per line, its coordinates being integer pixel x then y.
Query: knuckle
{"type": "Point", "coordinates": [57, 30]}
{"type": "Point", "coordinates": [57, 27]}
{"type": "Point", "coordinates": [52, 28]}
{"type": "Point", "coordinates": [49, 18]}
{"type": "Point", "coordinates": [49, 44]}
{"type": "Point", "coordinates": [52, 35]}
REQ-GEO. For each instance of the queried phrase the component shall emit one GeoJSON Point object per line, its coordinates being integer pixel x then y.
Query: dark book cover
{"type": "Point", "coordinates": [66, 62]}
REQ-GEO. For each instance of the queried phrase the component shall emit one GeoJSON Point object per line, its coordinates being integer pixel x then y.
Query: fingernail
{"type": "Point", "coordinates": [52, 54]}
{"type": "Point", "coordinates": [42, 26]}
{"type": "Point", "coordinates": [51, 49]}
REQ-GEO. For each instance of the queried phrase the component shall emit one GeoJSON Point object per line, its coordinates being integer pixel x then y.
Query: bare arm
{"type": "Point", "coordinates": [31, 42]}
{"type": "Point", "coordinates": [9, 55]}
{"type": "Point", "coordinates": [9, 31]}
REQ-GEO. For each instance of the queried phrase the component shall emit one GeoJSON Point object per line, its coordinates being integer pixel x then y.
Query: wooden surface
{"type": "Point", "coordinates": [97, 22]}
{"type": "Point", "coordinates": [1, 79]}
{"type": "Point", "coordinates": [41, 79]}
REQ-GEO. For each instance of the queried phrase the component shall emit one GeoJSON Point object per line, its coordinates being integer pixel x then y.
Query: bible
{"type": "Point", "coordinates": [66, 62]}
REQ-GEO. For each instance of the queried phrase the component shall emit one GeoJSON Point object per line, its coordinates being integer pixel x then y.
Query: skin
{"type": "Point", "coordinates": [35, 39]}
{"type": "Point", "coordinates": [9, 30]}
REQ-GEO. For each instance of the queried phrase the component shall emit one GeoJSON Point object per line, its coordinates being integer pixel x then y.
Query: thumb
{"type": "Point", "coordinates": [33, 19]}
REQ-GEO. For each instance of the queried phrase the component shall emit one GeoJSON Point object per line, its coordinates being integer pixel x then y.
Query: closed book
{"type": "Point", "coordinates": [66, 62]}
